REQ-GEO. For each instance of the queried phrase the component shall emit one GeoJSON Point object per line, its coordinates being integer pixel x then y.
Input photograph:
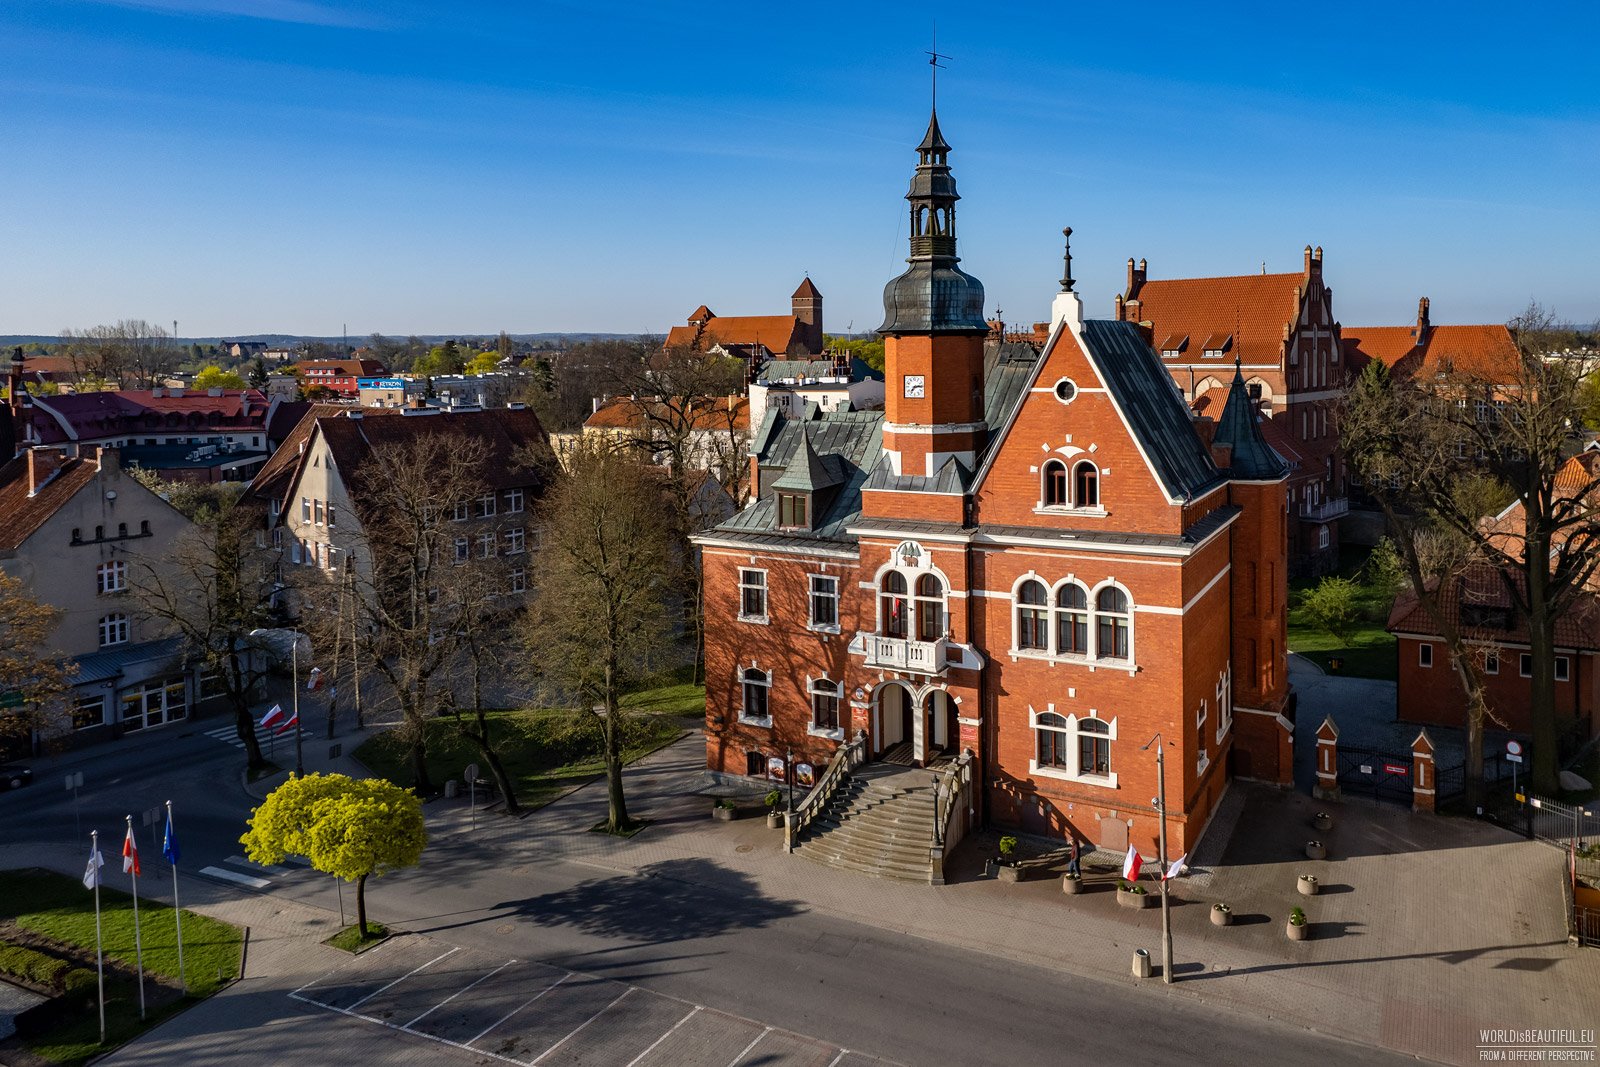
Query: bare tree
{"type": "Point", "coordinates": [34, 683]}
{"type": "Point", "coordinates": [599, 622]}
{"type": "Point", "coordinates": [213, 587]}
{"type": "Point", "coordinates": [127, 351]}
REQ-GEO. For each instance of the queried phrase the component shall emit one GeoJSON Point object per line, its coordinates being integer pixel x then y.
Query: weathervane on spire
{"type": "Point", "coordinates": [933, 61]}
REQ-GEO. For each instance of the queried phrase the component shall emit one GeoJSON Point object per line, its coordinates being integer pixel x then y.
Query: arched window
{"type": "Point", "coordinates": [756, 684]}
{"type": "Point", "coordinates": [930, 608]}
{"type": "Point", "coordinates": [825, 697]}
{"type": "Point", "coordinates": [1033, 616]}
{"type": "Point", "coordinates": [1050, 733]}
{"type": "Point", "coordinates": [892, 607]}
{"type": "Point", "coordinates": [1094, 747]}
{"type": "Point", "coordinates": [1055, 484]}
{"type": "Point", "coordinates": [1085, 485]}
{"type": "Point", "coordinates": [1072, 620]}
{"type": "Point", "coordinates": [1113, 621]}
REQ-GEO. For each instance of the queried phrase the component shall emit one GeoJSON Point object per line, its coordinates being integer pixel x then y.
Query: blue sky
{"type": "Point", "coordinates": [245, 166]}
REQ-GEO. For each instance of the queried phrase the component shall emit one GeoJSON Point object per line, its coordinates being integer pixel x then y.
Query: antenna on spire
{"type": "Point", "coordinates": [933, 61]}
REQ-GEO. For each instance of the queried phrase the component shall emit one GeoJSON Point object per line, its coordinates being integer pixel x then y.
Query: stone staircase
{"type": "Point", "coordinates": [879, 822]}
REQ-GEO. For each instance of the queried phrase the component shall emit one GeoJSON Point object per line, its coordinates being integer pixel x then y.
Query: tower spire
{"type": "Point", "coordinates": [1066, 277]}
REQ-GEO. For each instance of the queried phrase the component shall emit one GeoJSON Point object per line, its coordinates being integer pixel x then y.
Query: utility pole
{"type": "Point", "coordinates": [1166, 903]}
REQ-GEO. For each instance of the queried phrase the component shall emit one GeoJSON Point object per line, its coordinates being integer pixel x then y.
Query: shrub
{"type": "Point", "coordinates": [31, 966]}
{"type": "Point", "coordinates": [1331, 605]}
{"type": "Point", "coordinates": [1008, 847]}
{"type": "Point", "coordinates": [1297, 917]}
{"type": "Point", "coordinates": [774, 798]}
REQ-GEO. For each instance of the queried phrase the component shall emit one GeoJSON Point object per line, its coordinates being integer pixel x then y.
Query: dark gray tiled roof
{"type": "Point", "coordinates": [848, 443]}
{"type": "Point", "coordinates": [807, 472]}
{"type": "Point", "coordinates": [1005, 382]}
{"type": "Point", "coordinates": [1154, 408]}
{"type": "Point", "coordinates": [1240, 428]}
{"type": "Point", "coordinates": [778, 369]}
{"type": "Point", "coordinates": [104, 666]}
{"type": "Point", "coordinates": [953, 477]}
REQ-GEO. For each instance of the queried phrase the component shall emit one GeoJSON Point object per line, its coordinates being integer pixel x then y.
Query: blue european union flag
{"type": "Point", "coordinates": [169, 843]}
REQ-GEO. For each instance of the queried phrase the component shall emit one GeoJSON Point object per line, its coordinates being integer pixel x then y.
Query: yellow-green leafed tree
{"type": "Point", "coordinates": [347, 827]}
{"type": "Point", "coordinates": [214, 377]}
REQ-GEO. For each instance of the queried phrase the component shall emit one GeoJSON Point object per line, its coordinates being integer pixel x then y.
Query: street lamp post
{"type": "Point", "coordinates": [788, 772]}
{"type": "Point", "coordinates": [299, 752]}
{"type": "Point", "coordinates": [1166, 906]}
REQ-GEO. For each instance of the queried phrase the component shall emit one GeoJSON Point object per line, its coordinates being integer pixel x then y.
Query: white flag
{"type": "Point", "coordinates": [91, 873]}
{"type": "Point", "coordinates": [1176, 868]}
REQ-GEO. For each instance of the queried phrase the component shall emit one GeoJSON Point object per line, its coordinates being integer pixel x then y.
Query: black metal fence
{"type": "Point", "coordinates": [1562, 824]}
{"type": "Point", "coordinates": [1385, 775]}
{"type": "Point", "coordinates": [1452, 781]}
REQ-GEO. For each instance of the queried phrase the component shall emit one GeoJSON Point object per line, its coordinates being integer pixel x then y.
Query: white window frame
{"type": "Point", "coordinates": [111, 577]}
{"type": "Point", "coordinates": [1071, 773]}
{"type": "Point", "coordinates": [487, 543]}
{"type": "Point", "coordinates": [1425, 654]}
{"type": "Point", "coordinates": [1224, 702]}
{"type": "Point", "coordinates": [463, 549]}
{"type": "Point", "coordinates": [515, 541]}
{"type": "Point", "coordinates": [514, 502]}
{"type": "Point", "coordinates": [114, 629]}
{"type": "Point", "coordinates": [1491, 662]}
{"type": "Point", "coordinates": [518, 580]}
{"type": "Point", "coordinates": [486, 506]}
{"type": "Point", "coordinates": [745, 718]}
{"type": "Point", "coordinates": [305, 511]}
{"type": "Point", "coordinates": [1563, 669]}
{"type": "Point", "coordinates": [828, 688]}
{"type": "Point", "coordinates": [766, 593]}
{"type": "Point", "coordinates": [812, 596]}
{"type": "Point", "coordinates": [461, 511]}
{"type": "Point", "coordinates": [1525, 664]}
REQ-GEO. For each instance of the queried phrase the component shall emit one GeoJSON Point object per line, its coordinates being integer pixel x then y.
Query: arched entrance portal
{"type": "Point", "coordinates": [893, 722]}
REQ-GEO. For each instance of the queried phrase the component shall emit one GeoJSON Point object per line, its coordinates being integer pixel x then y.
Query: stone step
{"type": "Point", "coordinates": [918, 831]}
{"type": "Point", "coordinates": [920, 875]}
{"type": "Point", "coordinates": [904, 862]}
{"type": "Point", "coordinates": [873, 839]}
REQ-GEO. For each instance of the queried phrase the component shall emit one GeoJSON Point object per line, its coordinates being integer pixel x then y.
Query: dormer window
{"type": "Point", "coordinates": [1174, 345]}
{"type": "Point", "coordinates": [1218, 345]}
{"type": "Point", "coordinates": [794, 511]}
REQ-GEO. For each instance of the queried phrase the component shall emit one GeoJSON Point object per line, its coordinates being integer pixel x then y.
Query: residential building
{"type": "Point", "coordinates": [1041, 558]}
{"type": "Point", "coordinates": [837, 381]}
{"type": "Point", "coordinates": [343, 376]}
{"type": "Point", "coordinates": [1281, 330]}
{"type": "Point", "coordinates": [1486, 352]}
{"type": "Point", "coordinates": [717, 435]}
{"type": "Point", "coordinates": [244, 349]}
{"type": "Point", "coordinates": [796, 334]}
{"type": "Point", "coordinates": [75, 527]}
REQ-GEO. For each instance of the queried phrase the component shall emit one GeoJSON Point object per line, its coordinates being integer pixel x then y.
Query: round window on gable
{"type": "Point", "coordinates": [1066, 390]}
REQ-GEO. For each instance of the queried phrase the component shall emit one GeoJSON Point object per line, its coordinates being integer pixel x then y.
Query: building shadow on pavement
{"type": "Point", "coordinates": [1455, 958]}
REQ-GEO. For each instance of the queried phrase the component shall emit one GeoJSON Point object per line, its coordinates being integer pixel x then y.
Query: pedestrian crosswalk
{"type": "Point", "coordinates": [252, 875]}
{"type": "Point", "coordinates": [228, 735]}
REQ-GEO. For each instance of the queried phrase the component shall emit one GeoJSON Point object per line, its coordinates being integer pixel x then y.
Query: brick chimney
{"type": "Point", "coordinates": [43, 463]}
{"type": "Point", "coordinates": [1423, 325]}
{"type": "Point", "coordinates": [109, 459]}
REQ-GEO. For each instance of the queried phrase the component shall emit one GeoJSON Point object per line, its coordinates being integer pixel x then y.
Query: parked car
{"type": "Point", "coordinates": [14, 776]}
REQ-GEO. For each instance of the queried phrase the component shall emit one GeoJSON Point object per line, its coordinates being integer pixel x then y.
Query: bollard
{"type": "Point", "coordinates": [1141, 963]}
{"type": "Point", "coordinates": [452, 789]}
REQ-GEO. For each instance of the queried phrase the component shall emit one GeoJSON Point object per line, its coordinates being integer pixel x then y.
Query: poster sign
{"type": "Point", "coordinates": [805, 775]}
{"type": "Point", "coordinates": [1396, 768]}
{"type": "Point", "coordinates": [776, 769]}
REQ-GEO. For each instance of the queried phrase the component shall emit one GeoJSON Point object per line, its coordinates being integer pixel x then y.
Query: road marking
{"type": "Point", "coordinates": [403, 977]}
{"type": "Point", "coordinates": [228, 735]}
{"type": "Point", "coordinates": [586, 1022]}
{"type": "Point", "coordinates": [236, 877]}
{"type": "Point", "coordinates": [750, 1046]}
{"type": "Point", "coordinates": [399, 1030]}
{"type": "Point", "coordinates": [518, 1008]}
{"type": "Point", "coordinates": [695, 1011]}
{"type": "Point", "coordinates": [456, 994]}
{"type": "Point", "coordinates": [842, 1054]}
{"type": "Point", "coordinates": [240, 861]}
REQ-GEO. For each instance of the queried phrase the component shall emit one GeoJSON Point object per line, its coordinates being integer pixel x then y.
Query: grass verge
{"type": "Point", "coordinates": [1366, 649]}
{"type": "Point", "coordinates": [350, 940]}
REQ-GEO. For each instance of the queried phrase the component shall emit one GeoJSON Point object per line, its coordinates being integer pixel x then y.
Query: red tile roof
{"type": "Point", "coordinates": [1252, 308]}
{"type": "Point", "coordinates": [99, 415]}
{"type": "Point", "coordinates": [626, 413]}
{"type": "Point", "coordinates": [24, 514]}
{"type": "Point", "coordinates": [1578, 627]}
{"type": "Point", "coordinates": [1487, 352]}
{"type": "Point", "coordinates": [777, 332]}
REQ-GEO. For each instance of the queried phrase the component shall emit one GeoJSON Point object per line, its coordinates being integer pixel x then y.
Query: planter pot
{"type": "Point", "coordinates": [1071, 886]}
{"type": "Point", "coordinates": [1010, 873]}
{"type": "Point", "coordinates": [1315, 851]}
{"type": "Point", "coordinates": [774, 820]}
{"type": "Point", "coordinates": [1134, 900]}
{"type": "Point", "coordinates": [1221, 918]}
{"type": "Point", "coordinates": [1298, 933]}
{"type": "Point", "coordinates": [991, 868]}
{"type": "Point", "coordinates": [1308, 885]}
{"type": "Point", "coordinates": [724, 814]}
{"type": "Point", "coordinates": [1322, 821]}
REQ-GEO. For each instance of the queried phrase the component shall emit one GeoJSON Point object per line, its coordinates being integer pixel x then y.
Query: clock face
{"type": "Point", "coordinates": [914, 387]}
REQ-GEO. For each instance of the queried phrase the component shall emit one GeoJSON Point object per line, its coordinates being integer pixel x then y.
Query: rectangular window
{"type": "Point", "coordinates": [486, 506]}
{"type": "Point", "coordinates": [316, 512]}
{"type": "Point", "coordinates": [111, 577]}
{"type": "Point", "coordinates": [88, 712]}
{"type": "Point", "coordinates": [519, 580]}
{"type": "Point", "coordinates": [755, 696]}
{"type": "Point", "coordinates": [753, 595]}
{"type": "Point", "coordinates": [1562, 668]}
{"type": "Point", "coordinates": [322, 555]}
{"type": "Point", "coordinates": [113, 629]}
{"type": "Point", "coordinates": [1424, 655]}
{"type": "Point", "coordinates": [825, 708]}
{"type": "Point", "coordinates": [755, 764]}
{"type": "Point", "coordinates": [514, 503]}
{"type": "Point", "coordinates": [1527, 665]}
{"type": "Point", "coordinates": [514, 545]}
{"type": "Point", "coordinates": [330, 515]}
{"type": "Point", "coordinates": [1200, 716]}
{"type": "Point", "coordinates": [461, 511]}
{"type": "Point", "coordinates": [294, 551]}
{"type": "Point", "coordinates": [305, 510]}
{"type": "Point", "coordinates": [1491, 663]}
{"type": "Point", "coordinates": [485, 545]}
{"type": "Point", "coordinates": [824, 601]}
{"type": "Point", "coordinates": [792, 511]}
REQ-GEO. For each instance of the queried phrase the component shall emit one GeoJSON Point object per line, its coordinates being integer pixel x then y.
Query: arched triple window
{"type": "Point", "coordinates": [1050, 732]}
{"type": "Point", "coordinates": [755, 685]}
{"type": "Point", "coordinates": [1113, 621]}
{"type": "Point", "coordinates": [1055, 484]}
{"type": "Point", "coordinates": [930, 608]}
{"type": "Point", "coordinates": [1072, 620]}
{"type": "Point", "coordinates": [1085, 485]}
{"type": "Point", "coordinates": [1033, 617]}
{"type": "Point", "coordinates": [893, 607]}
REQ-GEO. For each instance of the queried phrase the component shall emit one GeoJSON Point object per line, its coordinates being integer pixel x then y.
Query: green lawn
{"type": "Point", "coordinates": [52, 906]}
{"type": "Point", "coordinates": [1368, 650]}
{"type": "Point", "coordinates": [546, 751]}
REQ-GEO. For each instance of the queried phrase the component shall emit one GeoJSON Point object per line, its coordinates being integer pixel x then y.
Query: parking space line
{"type": "Point", "coordinates": [692, 1013]}
{"type": "Point", "coordinates": [580, 1026]}
{"type": "Point", "coordinates": [518, 1008]}
{"type": "Point", "coordinates": [842, 1054]}
{"type": "Point", "coordinates": [402, 978]}
{"type": "Point", "coordinates": [750, 1046]}
{"type": "Point", "coordinates": [454, 995]}
{"type": "Point", "coordinates": [395, 1027]}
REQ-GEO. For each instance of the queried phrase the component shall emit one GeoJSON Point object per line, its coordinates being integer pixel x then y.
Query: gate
{"type": "Point", "coordinates": [1561, 824]}
{"type": "Point", "coordinates": [1453, 780]}
{"type": "Point", "coordinates": [1586, 926]}
{"type": "Point", "coordinates": [1385, 775]}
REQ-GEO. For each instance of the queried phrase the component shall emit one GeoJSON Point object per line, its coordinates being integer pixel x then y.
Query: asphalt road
{"type": "Point", "coordinates": [693, 930]}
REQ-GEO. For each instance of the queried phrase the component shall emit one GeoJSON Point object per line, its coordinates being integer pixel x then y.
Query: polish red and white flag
{"type": "Point", "coordinates": [1177, 868]}
{"type": "Point", "coordinates": [273, 717]}
{"type": "Point", "coordinates": [314, 679]}
{"type": "Point", "coordinates": [130, 854]}
{"type": "Point", "coordinates": [1131, 864]}
{"type": "Point", "coordinates": [289, 724]}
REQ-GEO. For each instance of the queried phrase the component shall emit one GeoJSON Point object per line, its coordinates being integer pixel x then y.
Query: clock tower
{"type": "Point", "coordinates": [933, 330]}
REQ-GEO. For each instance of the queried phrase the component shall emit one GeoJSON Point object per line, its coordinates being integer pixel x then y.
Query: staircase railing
{"type": "Point", "coordinates": [847, 759]}
{"type": "Point", "coordinates": [952, 812]}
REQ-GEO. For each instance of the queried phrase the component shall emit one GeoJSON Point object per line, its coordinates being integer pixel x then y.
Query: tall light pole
{"type": "Point", "coordinates": [299, 753]}
{"type": "Point", "coordinates": [1166, 906]}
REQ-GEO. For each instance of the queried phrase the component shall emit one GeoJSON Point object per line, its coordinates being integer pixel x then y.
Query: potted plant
{"type": "Point", "coordinates": [1072, 884]}
{"type": "Point", "coordinates": [1322, 821]}
{"type": "Point", "coordinates": [774, 816]}
{"type": "Point", "coordinates": [1009, 871]}
{"type": "Point", "coordinates": [1297, 929]}
{"type": "Point", "coordinates": [1132, 895]}
{"type": "Point", "coordinates": [1315, 851]}
{"type": "Point", "coordinates": [725, 810]}
{"type": "Point", "coordinates": [1308, 885]}
{"type": "Point", "coordinates": [1221, 915]}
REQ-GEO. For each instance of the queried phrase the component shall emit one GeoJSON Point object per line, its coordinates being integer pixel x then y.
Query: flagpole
{"type": "Point", "coordinates": [138, 947]}
{"type": "Point", "coordinates": [170, 850]}
{"type": "Point", "coordinates": [99, 954]}
{"type": "Point", "coordinates": [299, 755]}
{"type": "Point", "coordinates": [1166, 903]}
